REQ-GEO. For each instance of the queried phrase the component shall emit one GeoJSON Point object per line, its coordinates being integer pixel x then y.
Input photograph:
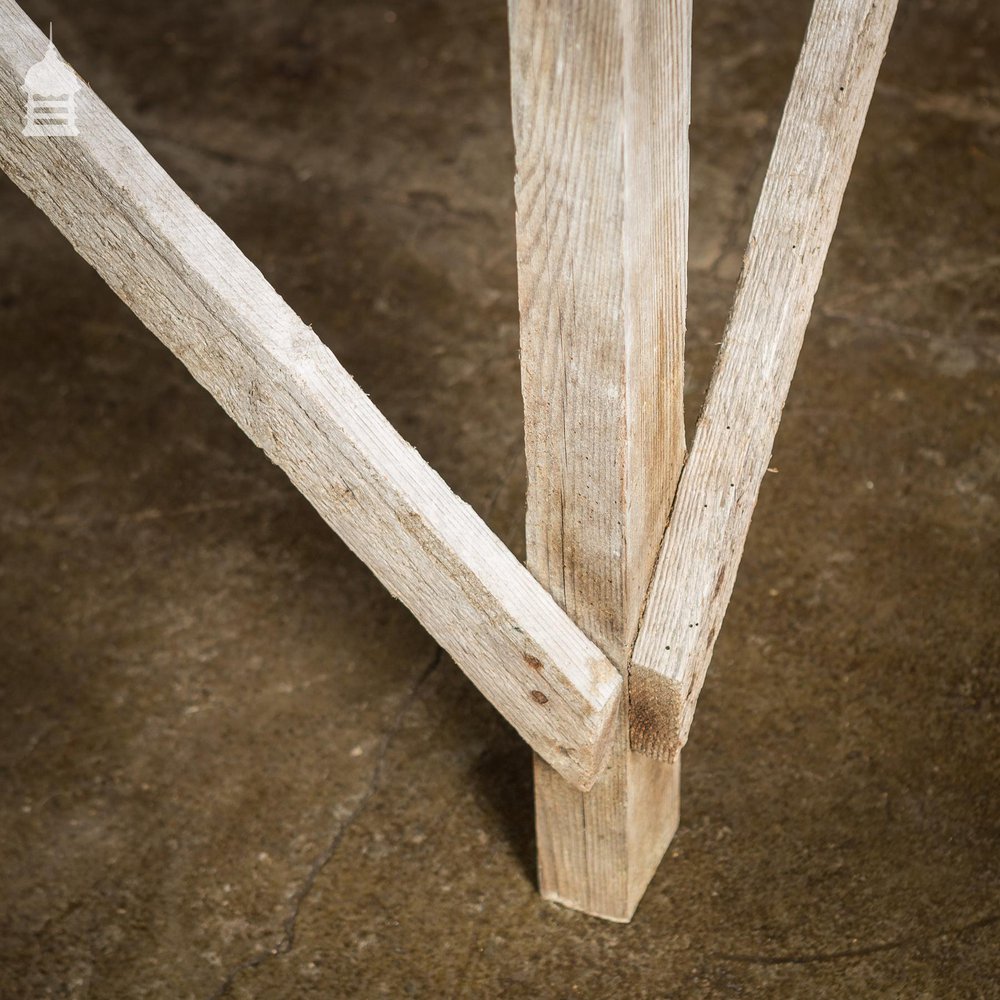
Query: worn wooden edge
{"type": "Point", "coordinates": [211, 307]}
{"type": "Point", "coordinates": [656, 712]}
{"type": "Point", "coordinates": [791, 233]}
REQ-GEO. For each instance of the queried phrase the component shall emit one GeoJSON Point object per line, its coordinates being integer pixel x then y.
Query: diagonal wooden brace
{"type": "Point", "coordinates": [186, 280]}
{"type": "Point", "coordinates": [718, 487]}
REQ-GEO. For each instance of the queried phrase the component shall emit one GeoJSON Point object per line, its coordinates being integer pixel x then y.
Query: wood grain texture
{"type": "Point", "coordinates": [196, 291]}
{"type": "Point", "coordinates": [600, 96]}
{"type": "Point", "coordinates": [790, 235]}
{"type": "Point", "coordinates": [598, 850]}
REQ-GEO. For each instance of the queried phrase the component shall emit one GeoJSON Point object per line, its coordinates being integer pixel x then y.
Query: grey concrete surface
{"type": "Point", "coordinates": [233, 766]}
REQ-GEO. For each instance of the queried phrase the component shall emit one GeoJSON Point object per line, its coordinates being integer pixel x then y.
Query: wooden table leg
{"type": "Point", "coordinates": [601, 95]}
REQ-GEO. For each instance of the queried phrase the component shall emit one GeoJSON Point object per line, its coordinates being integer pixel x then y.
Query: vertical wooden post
{"type": "Point", "coordinates": [601, 109]}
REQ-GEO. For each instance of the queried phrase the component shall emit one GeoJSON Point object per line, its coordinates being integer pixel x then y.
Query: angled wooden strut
{"type": "Point", "coordinates": [791, 233]}
{"type": "Point", "coordinates": [196, 291]}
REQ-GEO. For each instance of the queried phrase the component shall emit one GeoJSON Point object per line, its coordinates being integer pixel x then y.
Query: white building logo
{"type": "Point", "coordinates": [51, 86]}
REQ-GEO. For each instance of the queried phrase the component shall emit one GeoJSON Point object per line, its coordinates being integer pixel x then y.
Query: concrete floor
{"type": "Point", "coordinates": [233, 766]}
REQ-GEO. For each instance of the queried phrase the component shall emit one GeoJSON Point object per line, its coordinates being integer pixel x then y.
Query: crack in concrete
{"type": "Point", "coordinates": [287, 941]}
{"type": "Point", "coordinates": [809, 958]}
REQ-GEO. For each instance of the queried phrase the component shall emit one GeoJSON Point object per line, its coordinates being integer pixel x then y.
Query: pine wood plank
{"type": "Point", "coordinates": [790, 235]}
{"type": "Point", "coordinates": [196, 291]}
{"type": "Point", "coordinates": [600, 95]}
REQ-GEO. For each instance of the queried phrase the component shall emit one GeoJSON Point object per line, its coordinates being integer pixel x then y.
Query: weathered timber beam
{"type": "Point", "coordinates": [186, 280]}
{"type": "Point", "coordinates": [791, 233]}
{"type": "Point", "coordinates": [601, 104]}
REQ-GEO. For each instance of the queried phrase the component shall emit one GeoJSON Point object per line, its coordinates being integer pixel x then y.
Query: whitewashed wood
{"type": "Point", "coordinates": [791, 233]}
{"type": "Point", "coordinates": [196, 291]}
{"type": "Point", "coordinates": [600, 94]}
